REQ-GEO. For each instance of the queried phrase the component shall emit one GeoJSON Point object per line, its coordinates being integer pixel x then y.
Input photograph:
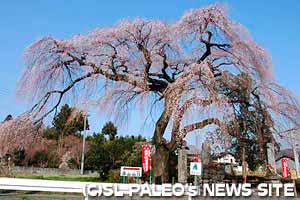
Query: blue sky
{"type": "Point", "coordinates": [275, 26]}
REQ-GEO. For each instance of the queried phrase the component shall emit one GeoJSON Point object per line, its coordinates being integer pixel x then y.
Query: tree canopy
{"type": "Point", "coordinates": [110, 130]}
{"type": "Point", "coordinates": [177, 66]}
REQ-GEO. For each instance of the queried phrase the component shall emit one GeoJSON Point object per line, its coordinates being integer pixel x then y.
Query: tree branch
{"type": "Point", "coordinates": [179, 116]}
{"type": "Point", "coordinates": [199, 125]}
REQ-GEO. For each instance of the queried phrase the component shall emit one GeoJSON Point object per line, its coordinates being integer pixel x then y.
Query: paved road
{"type": "Point", "coordinates": [39, 196]}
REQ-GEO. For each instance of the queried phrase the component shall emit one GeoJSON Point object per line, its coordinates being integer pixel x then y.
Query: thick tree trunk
{"type": "Point", "coordinates": [160, 165]}
{"type": "Point", "coordinates": [160, 159]}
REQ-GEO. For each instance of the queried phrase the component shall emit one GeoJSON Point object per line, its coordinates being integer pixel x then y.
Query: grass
{"type": "Point", "coordinates": [23, 198]}
{"type": "Point", "coordinates": [81, 178]}
{"type": "Point", "coordinates": [27, 198]}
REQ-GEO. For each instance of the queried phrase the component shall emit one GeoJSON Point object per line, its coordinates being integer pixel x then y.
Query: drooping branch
{"type": "Point", "coordinates": [41, 104]}
{"type": "Point", "coordinates": [95, 71]}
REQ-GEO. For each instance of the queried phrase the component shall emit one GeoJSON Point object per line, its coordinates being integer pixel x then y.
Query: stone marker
{"type": "Point", "coordinates": [205, 153]}
{"type": "Point", "coordinates": [182, 166]}
{"type": "Point", "coordinates": [271, 155]}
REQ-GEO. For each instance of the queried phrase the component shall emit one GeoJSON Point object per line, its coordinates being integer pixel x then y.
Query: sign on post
{"type": "Point", "coordinates": [195, 168]}
{"type": "Point", "coordinates": [285, 167]}
{"type": "Point", "coordinates": [131, 171]}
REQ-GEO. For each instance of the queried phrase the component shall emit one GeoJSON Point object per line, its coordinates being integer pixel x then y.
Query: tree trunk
{"type": "Point", "coordinates": [160, 165]}
{"type": "Point", "coordinates": [160, 160]}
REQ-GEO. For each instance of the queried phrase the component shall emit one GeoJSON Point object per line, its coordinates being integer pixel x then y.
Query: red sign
{"type": "Point", "coordinates": [131, 168]}
{"type": "Point", "coordinates": [146, 158]}
{"type": "Point", "coordinates": [196, 158]}
{"type": "Point", "coordinates": [285, 167]}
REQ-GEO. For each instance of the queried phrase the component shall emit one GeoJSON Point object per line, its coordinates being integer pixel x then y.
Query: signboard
{"type": "Point", "coordinates": [195, 168]}
{"type": "Point", "coordinates": [285, 167]}
{"type": "Point", "coordinates": [131, 171]}
{"type": "Point", "coordinates": [146, 158]}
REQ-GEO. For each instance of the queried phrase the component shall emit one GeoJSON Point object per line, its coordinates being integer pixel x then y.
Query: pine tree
{"type": "Point", "coordinates": [110, 130]}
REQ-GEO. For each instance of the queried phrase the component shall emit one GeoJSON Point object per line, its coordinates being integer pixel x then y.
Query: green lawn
{"type": "Point", "coordinates": [82, 178]}
{"type": "Point", "coordinates": [26, 198]}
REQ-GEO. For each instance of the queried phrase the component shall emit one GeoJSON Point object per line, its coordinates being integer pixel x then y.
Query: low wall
{"type": "Point", "coordinates": [49, 171]}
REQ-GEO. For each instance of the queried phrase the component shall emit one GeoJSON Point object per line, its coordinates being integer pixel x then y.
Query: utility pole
{"type": "Point", "coordinates": [296, 155]}
{"type": "Point", "coordinates": [83, 144]}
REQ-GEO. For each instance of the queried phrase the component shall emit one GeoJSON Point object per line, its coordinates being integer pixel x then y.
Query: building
{"type": "Point", "coordinates": [225, 158]}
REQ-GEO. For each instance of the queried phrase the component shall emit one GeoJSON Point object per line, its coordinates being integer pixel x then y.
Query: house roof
{"type": "Point", "coordinates": [222, 154]}
{"type": "Point", "coordinates": [286, 153]}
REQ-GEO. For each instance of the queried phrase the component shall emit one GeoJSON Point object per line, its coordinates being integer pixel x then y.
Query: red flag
{"type": "Point", "coordinates": [146, 158]}
{"type": "Point", "coordinates": [271, 168]}
{"type": "Point", "coordinates": [285, 167]}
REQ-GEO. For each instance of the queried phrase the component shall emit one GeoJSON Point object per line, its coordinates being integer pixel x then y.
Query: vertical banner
{"type": "Point", "coordinates": [146, 158]}
{"type": "Point", "coordinates": [285, 167]}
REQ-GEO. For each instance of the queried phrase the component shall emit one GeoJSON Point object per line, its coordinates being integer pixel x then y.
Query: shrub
{"type": "Point", "coordinates": [114, 176]}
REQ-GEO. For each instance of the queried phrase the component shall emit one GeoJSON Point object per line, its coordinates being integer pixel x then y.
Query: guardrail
{"type": "Point", "coordinates": [56, 186]}
{"type": "Point", "coordinates": [83, 188]}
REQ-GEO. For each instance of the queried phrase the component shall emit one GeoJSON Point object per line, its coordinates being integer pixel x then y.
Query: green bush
{"type": "Point", "coordinates": [18, 156]}
{"type": "Point", "coordinates": [40, 159]}
{"type": "Point", "coordinates": [114, 176]}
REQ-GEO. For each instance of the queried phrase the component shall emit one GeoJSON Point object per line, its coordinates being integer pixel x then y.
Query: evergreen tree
{"type": "Point", "coordinates": [64, 124]}
{"type": "Point", "coordinates": [19, 156]}
{"type": "Point", "coordinates": [68, 124]}
{"type": "Point", "coordinates": [109, 154]}
{"type": "Point", "coordinates": [110, 130]}
{"type": "Point", "coordinates": [251, 129]}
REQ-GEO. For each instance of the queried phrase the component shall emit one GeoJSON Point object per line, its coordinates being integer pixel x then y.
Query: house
{"type": "Point", "coordinates": [225, 158]}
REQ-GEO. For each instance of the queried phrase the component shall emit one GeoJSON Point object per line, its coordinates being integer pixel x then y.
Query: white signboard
{"type": "Point", "coordinates": [131, 171]}
{"type": "Point", "coordinates": [195, 168]}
